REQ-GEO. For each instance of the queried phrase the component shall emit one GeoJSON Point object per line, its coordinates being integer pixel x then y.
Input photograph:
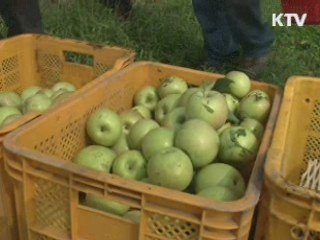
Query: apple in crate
{"type": "Point", "coordinates": [156, 140]}
{"type": "Point", "coordinates": [172, 85]}
{"type": "Point", "coordinates": [220, 174]}
{"type": "Point", "coordinates": [10, 99]}
{"type": "Point", "coordinates": [235, 83]}
{"type": "Point", "coordinates": [61, 97]}
{"type": "Point", "coordinates": [96, 157]}
{"type": "Point", "coordinates": [143, 111]}
{"type": "Point", "coordinates": [210, 106]}
{"type": "Point", "coordinates": [28, 92]}
{"type": "Point", "coordinates": [10, 119]}
{"type": "Point", "coordinates": [128, 118]}
{"type": "Point", "coordinates": [121, 145]}
{"type": "Point", "coordinates": [63, 85]}
{"type": "Point", "coordinates": [238, 146]}
{"type": "Point", "coordinates": [255, 105]}
{"type": "Point", "coordinates": [254, 126]}
{"type": "Point", "coordinates": [170, 168]}
{"type": "Point", "coordinates": [105, 205]}
{"type": "Point", "coordinates": [139, 130]}
{"type": "Point", "coordinates": [8, 111]}
{"type": "Point", "coordinates": [104, 127]}
{"type": "Point", "coordinates": [199, 140]}
{"type": "Point", "coordinates": [186, 96]}
{"type": "Point", "coordinates": [166, 105]}
{"type": "Point", "coordinates": [175, 119]}
{"type": "Point", "coordinates": [130, 164]}
{"type": "Point", "coordinates": [38, 102]}
{"type": "Point", "coordinates": [47, 91]}
{"type": "Point", "coordinates": [219, 193]}
{"type": "Point", "coordinates": [147, 97]}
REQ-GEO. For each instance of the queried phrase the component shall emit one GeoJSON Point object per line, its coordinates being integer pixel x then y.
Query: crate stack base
{"type": "Point", "coordinates": [288, 210]}
{"type": "Point", "coordinates": [28, 60]}
{"type": "Point", "coordinates": [49, 206]}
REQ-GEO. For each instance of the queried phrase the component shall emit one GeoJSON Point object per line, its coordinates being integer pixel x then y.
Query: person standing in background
{"type": "Point", "coordinates": [234, 29]}
{"type": "Point", "coordinates": [21, 16]}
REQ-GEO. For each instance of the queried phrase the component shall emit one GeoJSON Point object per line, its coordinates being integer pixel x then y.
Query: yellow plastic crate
{"type": "Point", "coordinates": [41, 60]}
{"type": "Point", "coordinates": [38, 157]}
{"type": "Point", "coordinates": [289, 211]}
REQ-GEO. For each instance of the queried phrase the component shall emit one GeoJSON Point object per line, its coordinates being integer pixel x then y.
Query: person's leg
{"type": "Point", "coordinates": [22, 16]}
{"type": "Point", "coordinates": [218, 39]}
{"type": "Point", "coordinates": [256, 38]}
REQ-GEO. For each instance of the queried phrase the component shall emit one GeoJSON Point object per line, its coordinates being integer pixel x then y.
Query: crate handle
{"type": "Point", "coordinates": [78, 58]}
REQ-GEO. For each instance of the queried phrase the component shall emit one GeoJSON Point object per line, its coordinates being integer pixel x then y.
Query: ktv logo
{"type": "Point", "coordinates": [291, 19]}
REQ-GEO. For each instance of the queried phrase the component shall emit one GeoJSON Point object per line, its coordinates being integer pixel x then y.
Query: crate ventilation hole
{"type": "Point", "coordinates": [310, 179]}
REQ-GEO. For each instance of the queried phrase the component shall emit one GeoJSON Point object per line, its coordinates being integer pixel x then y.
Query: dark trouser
{"type": "Point", "coordinates": [21, 16]}
{"type": "Point", "coordinates": [231, 27]}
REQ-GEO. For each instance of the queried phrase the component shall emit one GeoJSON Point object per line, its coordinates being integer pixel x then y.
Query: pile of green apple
{"type": "Point", "coordinates": [33, 99]}
{"type": "Point", "coordinates": [186, 138]}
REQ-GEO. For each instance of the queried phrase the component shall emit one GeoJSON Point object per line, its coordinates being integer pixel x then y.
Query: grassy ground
{"type": "Point", "coordinates": [167, 31]}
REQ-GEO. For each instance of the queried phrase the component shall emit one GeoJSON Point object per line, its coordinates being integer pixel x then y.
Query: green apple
{"type": "Point", "coordinates": [236, 83]}
{"type": "Point", "coordinates": [121, 145]}
{"type": "Point", "coordinates": [105, 205]}
{"type": "Point", "coordinates": [7, 111]}
{"type": "Point", "coordinates": [9, 119]}
{"type": "Point", "coordinates": [240, 85]}
{"type": "Point", "coordinates": [46, 91]}
{"type": "Point", "coordinates": [128, 118]}
{"type": "Point", "coordinates": [147, 97]}
{"type": "Point", "coordinates": [220, 174]}
{"type": "Point", "coordinates": [232, 102]}
{"type": "Point", "coordinates": [172, 85]}
{"type": "Point", "coordinates": [210, 106]}
{"type": "Point", "coordinates": [157, 139]}
{"type": "Point", "coordinates": [224, 126]}
{"type": "Point", "coordinates": [10, 99]}
{"type": "Point", "coordinates": [63, 85]}
{"type": "Point", "coordinates": [130, 164]}
{"type": "Point", "coordinates": [175, 118]}
{"type": "Point", "coordinates": [57, 93]}
{"type": "Point", "coordinates": [96, 157]}
{"type": "Point", "coordinates": [170, 168]}
{"type": "Point", "coordinates": [186, 95]}
{"type": "Point", "coordinates": [143, 111]}
{"type": "Point", "coordinates": [37, 103]}
{"type": "Point", "coordinates": [238, 146]}
{"type": "Point", "coordinates": [207, 85]}
{"type": "Point", "coordinates": [61, 97]}
{"type": "Point", "coordinates": [218, 193]}
{"type": "Point", "coordinates": [133, 215]}
{"type": "Point", "coordinates": [199, 140]}
{"type": "Point", "coordinates": [255, 105]}
{"type": "Point", "coordinates": [28, 92]}
{"type": "Point", "coordinates": [165, 105]}
{"type": "Point", "coordinates": [254, 126]}
{"type": "Point", "coordinates": [104, 127]}
{"type": "Point", "coordinates": [139, 130]}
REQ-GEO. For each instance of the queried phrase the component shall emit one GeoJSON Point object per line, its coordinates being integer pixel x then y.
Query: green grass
{"type": "Point", "coordinates": [167, 31]}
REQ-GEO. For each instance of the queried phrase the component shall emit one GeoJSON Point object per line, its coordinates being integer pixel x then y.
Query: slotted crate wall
{"type": "Point", "coordinates": [289, 211]}
{"type": "Point", "coordinates": [30, 59]}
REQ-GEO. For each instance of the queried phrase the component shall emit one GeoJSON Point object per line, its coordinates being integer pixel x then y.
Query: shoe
{"type": "Point", "coordinates": [253, 67]}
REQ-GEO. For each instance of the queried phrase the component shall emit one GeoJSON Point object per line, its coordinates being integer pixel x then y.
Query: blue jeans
{"type": "Point", "coordinates": [21, 16]}
{"type": "Point", "coordinates": [232, 26]}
